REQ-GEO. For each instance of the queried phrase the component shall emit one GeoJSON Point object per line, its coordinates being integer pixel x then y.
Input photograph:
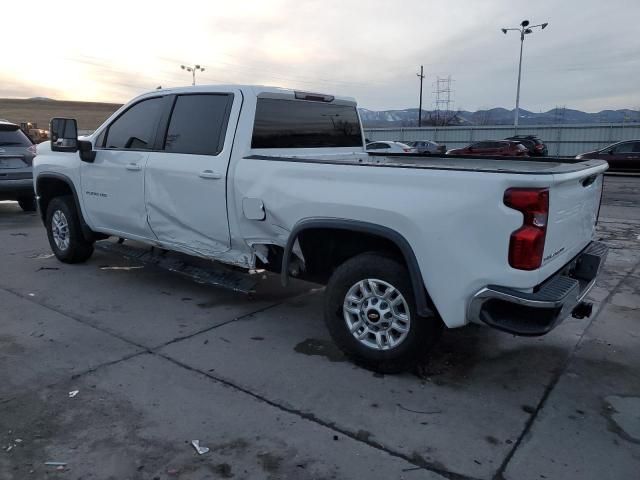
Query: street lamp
{"type": "Point", "coordinates": [193, 71]}
{"type": "Point", "coordinates": [524, 29]}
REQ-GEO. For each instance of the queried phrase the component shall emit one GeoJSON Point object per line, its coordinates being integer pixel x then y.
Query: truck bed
{"type": "Point", "coordinates": [515, 165]}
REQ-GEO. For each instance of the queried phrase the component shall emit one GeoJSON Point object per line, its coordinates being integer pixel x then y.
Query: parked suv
{"type": "Point", "coordinates": [16, 156]}
{"type": "Point", "coordinates": [535, 146]}
{"type": "Point", "coordinates": [505, 148]}
{"type": "Point", "coordinates": [621, 155]}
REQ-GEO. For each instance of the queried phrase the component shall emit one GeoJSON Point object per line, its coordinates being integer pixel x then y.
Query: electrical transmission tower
{"type": "Point", "coordinates": [444, 100]}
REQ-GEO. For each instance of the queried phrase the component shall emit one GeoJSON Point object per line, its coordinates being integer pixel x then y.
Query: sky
{"type": "Point", "coordinates": [588, 57]}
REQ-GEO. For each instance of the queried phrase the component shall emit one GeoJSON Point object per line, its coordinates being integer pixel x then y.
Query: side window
{"type": "Point", "coordinates": [199, 124]}
{"type": "Point", "coordinates": [482, 145]}
{"type": "Point", "coordinates": [636, 147]}
{"type": "Point", "coordinates": [135, 128]}
{"type": "Point", "coordinates": [624, 148]}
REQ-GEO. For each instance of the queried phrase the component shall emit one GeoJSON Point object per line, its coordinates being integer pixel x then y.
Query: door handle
{"type": "Point", "coordinates": [133, 167]}
{"type": "Point", "coordinates": [210, 174]}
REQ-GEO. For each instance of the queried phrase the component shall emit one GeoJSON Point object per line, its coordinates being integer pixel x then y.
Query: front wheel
{"type": "Point", "coordinates": [371, 314]}
{"type": "Point", "coordinates": [65, 232]}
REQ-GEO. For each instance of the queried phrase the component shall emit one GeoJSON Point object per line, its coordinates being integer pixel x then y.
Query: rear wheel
{"type": "Point", "coordinates": [65, 232]}
{"type": "Point", "coordinates": [27, 204]}
{"type": "Point", "coordinates": [371, 315]}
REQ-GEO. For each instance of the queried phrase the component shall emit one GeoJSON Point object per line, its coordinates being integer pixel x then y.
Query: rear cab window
{"type": "Point", "coordinates": [288, 123]}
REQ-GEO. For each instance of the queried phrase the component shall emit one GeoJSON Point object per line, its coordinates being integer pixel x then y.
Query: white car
{"type": "Point", "coordinates": [261, 177]}
{"type": "Point", "coordinates": [390, 147]}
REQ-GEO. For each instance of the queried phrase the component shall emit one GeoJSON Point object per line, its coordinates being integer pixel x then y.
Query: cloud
{"type": "Point", "coordinates": [370, 50]}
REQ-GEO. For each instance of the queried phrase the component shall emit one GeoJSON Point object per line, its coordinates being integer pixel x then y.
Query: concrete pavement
{"type": "Point", "coordinates": [160, 361]}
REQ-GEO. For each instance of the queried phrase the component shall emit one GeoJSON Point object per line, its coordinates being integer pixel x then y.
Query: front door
{"type": "Point", "coordinates": [185, 183]}
{"type": "Point", "coordinates": [113, 185]}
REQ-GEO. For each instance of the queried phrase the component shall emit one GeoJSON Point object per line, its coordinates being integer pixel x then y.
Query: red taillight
{"type": "Point", "coordinates": [539, 147]}
{"type": "Point", "coordinates": [526, 246]}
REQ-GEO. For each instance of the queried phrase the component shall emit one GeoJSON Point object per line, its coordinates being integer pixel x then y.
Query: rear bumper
{"type": "Point", "coordinates": [551, 302]}
{"type": "Point", "coordinates": [11, 189]}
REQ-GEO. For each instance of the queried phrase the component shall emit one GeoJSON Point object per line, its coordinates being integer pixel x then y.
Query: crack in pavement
{"type": "Point", "coordinates": [499, 475]}
{"type": "Point", "coordinates": [417, 462]}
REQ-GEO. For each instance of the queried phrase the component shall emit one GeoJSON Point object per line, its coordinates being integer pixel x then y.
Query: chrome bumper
{"type": "Point", "coordinates": [551, 302]}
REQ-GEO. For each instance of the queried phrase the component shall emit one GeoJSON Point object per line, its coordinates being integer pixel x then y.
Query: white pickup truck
{"type": "Point", "coordinates": [262, 177]}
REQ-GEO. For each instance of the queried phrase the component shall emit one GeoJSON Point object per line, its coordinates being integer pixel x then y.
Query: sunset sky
{"type": "Point", "coordinates": [588, 58]}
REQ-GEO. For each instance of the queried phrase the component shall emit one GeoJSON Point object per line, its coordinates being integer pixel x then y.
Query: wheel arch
{"type": "Point", "coordinates": [50, 185]}
{"type": "Point", "coordinates": [424, 304]}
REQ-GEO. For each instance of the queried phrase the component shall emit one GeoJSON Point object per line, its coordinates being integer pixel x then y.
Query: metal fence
{"type": "Point", "coordinates": [562, 140]}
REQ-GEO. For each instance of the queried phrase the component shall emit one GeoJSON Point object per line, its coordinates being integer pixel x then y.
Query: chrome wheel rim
{"type": "Point", "coordinates": [60, 230]}
{"type": "Point", "coordinates": [376, 314]}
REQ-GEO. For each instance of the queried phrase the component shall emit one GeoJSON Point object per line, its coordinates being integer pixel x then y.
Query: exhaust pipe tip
{"type": "Point", "coordinates": [582, 310]}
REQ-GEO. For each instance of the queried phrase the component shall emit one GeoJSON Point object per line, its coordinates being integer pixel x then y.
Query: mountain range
{"type": "Point", "coordinates": [494, 116]}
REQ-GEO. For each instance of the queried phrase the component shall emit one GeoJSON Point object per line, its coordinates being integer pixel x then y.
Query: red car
{"type": "Point", "coordinates": [494, 148]}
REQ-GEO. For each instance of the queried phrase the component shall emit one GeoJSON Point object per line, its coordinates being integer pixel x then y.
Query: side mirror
{"type": "Point", "coordinates": [64, 134]}
{"type": "Point", "coordinates": [87, 153]}
{"type": "Point", "coordinates": [611, 152]}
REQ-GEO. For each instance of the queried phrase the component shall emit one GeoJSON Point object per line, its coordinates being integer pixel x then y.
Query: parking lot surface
{"type": "Point", "coordinates": [158, 361]}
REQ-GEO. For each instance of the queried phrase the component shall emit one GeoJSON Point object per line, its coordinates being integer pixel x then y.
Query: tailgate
{"type": "Point", "coordinates": [574, 201]}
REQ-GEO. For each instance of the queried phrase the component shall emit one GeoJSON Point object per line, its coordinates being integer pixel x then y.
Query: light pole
{"type": "Point", "coordinates": [421, 76]}
{"type": "Point", "coordinates": [193, 71]}
{"type": "Point", "coordinates": [524, 29]}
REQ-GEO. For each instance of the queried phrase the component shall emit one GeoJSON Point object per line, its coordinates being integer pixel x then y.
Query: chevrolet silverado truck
{"type": "Point", "coordinates": [267, 178]}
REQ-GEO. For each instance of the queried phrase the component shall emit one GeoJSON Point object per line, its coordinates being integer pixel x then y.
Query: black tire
{"type": "Point", "coordinates": [423, 332]}
{"type": "Point", "coordinates": [28, 204]}
{"type": "Point", "coordinates": [78, 249]}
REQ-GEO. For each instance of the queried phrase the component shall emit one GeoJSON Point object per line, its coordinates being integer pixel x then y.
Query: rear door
{"type": "Point", "coordinates": [113, 185]}
{"type": "Point", "coordinates": [185, 182]}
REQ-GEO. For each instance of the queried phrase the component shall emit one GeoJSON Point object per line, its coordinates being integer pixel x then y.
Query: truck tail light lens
{"type": "Point", "coordinates": [526, 246]}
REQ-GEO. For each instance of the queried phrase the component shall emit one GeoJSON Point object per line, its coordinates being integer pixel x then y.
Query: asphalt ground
{"type": "Point", "coordinates": [159, 360]}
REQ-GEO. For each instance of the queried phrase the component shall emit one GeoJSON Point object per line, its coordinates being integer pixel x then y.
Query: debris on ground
{"type": "Point", "coordinates": [55, 464]}
{"type": "Point", "coordinates": [200, 449]}
{"type": "Point", "coordinates": [73, 393]}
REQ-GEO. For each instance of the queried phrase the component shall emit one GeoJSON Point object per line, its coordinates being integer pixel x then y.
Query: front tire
{"type": "Point", "coordinates": [65, 232]}
{"type": "Point", "coordinates": [371, 314]}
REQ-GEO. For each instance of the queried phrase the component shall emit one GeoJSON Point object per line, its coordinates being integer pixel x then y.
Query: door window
{"type": "Point", "coordinates": [135, 129]}
{"type": "Point", "coordinates": [198, 124]}
{"type": "Point", "coordinates": [623, 148]}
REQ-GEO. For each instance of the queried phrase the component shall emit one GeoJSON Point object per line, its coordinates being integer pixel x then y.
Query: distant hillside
{"type": "Point", "coordinates": [495, 116]}
{"type": "Point", "coordinates": [41, 110]}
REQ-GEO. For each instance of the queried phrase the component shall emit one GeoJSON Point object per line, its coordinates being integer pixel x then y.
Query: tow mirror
{"type": "Point", "coordinates": [64, 135]}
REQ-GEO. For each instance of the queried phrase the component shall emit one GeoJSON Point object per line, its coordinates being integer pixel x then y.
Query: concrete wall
{"type": "Point", "coordinates": [563, 140]}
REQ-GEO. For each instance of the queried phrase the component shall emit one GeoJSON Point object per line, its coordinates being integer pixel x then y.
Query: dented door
{"type": "Point", "coordinates": [185, 183]}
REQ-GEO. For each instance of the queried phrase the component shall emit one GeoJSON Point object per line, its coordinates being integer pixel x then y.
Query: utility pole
{"type": "Point", "coordinates": [421, 75]}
